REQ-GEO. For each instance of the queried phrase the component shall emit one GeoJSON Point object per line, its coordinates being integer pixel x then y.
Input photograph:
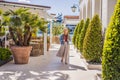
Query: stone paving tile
{"type": "Point", "coordinates": [48, 67]}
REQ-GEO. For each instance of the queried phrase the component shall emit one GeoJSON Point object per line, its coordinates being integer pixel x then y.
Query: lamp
{"type": "Point", "coordinates": [73, 8]}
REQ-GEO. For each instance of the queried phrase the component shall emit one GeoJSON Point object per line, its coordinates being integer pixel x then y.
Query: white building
{"type": "Point", "coordinates": [71, 22]}
{"type": "Point", "coordinates": [105, 8]}
{"type": "Point", "coordinates": [35, 9]}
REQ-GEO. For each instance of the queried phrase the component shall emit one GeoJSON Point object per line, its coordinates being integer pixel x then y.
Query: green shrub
{"type": "Point", "coordinates": [75, 33]}
{"type": "Point", "coordinates": [78, 33]}
{"type": "Point", "coordinates": [111, 49]}
{"type": "Point", "coordinates": [4, 54]}
{"type": "Point", "coordinates": [57, 30]}
{"type": "Point", "coordinates": [0, 11]}
{"type": "Point", "coordinates": [2, 31]}
{"type": "Point", "coordinates": [82, 35]}
{"type": "Point", "coordinates": [92, 46]}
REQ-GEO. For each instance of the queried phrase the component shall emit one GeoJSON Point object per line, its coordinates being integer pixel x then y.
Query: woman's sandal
{"type": "Point", "coordinates": [61, 60]}
{"type": "Point", "coordinates": [66, 63]}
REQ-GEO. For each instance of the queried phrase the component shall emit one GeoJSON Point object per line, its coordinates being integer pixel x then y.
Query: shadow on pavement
{"type": "Point", "coordinates": [32, 75]}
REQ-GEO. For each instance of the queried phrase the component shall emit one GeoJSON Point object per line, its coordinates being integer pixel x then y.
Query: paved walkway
{"type": "Point", "coordinates": [48, 67]}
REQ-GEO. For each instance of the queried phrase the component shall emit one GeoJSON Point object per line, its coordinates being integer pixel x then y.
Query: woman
{"type": "Point", "coordinates": [64, 49]}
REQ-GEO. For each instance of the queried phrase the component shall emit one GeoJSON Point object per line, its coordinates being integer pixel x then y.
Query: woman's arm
{"type": "Point", "coordinates": [69, 39]}
{"type": "Point", "coordinates": [61, 39]}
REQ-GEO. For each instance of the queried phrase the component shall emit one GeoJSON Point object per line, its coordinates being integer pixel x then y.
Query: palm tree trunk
{"type": "Point", "coordinates": [27, 35]}
{"type": "Point", "coordinates": [12, 35]}
{"type": "Point", "coordinates": [29, 38]}
{"type": "Point", "coordinates": [20, 40]}
{"type": "Point", "coordinates": [0, 28]}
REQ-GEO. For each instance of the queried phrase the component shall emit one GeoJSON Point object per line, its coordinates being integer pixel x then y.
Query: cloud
{"type": "Point", "coordinates": [24, 1]}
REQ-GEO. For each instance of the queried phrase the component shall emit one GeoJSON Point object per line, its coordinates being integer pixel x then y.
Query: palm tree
{"type": "Point", "coordinates": [0, 20]}
{"type": "Point", "coordinates": [2, 29]}
{"type": "Point", "coordinates": [21, 25]}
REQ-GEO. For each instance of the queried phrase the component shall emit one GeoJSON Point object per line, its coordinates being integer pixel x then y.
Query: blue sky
{"type": "Point", "coordinates": [57, 6]}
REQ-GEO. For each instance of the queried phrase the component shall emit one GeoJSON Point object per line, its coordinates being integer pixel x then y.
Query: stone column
{"type": "Point", "coordinates": [84, 11]}
{"type": "Point", "coordinates": [81, 13]}
{"type": "Point", "coordinates": [45, 43]}
{"type": "Point", "coordinates": [45, 35]}
{"type": "Point", "coordinates": [89, 9]}
{"type": "Point", "coordinates": [51, 22]}
{"type": "Point", "coordinates": [96, 7]}
{"type": "Point", "coordinates": [81, 16]}
{"type": "Point", "coordinates": [107, 11]}
{"type": "Point", "coordinates": [81, 9]}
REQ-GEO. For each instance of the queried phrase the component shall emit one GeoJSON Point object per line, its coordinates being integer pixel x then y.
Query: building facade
{"type": "Point", "coordinates": [104, 8]}
{"type": "Point", "coordinates": [35, 9]}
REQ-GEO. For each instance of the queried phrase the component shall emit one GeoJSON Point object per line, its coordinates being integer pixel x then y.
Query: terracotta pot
{"type": "Point", "coordinates": [56, 40]}
{"type": "Point", "coordinates": [21, 54]}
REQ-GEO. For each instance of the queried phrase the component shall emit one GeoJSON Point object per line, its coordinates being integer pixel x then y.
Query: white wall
{"type": "Point", "coordinates": [84, 12]}
{"type": "Point", "coordinates": [104, 13]}
{"type": "Point", "coordinates": [71, 21]}
{"type": "Point", "coordinates": [107, 11]}
{"type": "Point", "coordinates": [111, 6]}
{"type": "Point", "coordinates": [40, 11]}
{"type": "Point", "coordinates": [104, 8]}
{"type": "Point", "coordinates": [96, 7]}
{"type": "Point", "coordinates": [89, 9]}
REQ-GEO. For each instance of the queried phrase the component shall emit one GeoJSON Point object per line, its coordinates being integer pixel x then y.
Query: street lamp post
{"type": "Point", "coordinates": [75, 7]}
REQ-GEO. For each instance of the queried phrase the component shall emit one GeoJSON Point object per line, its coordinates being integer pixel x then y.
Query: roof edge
{"type": "Point", "coordinates": [26, 4]}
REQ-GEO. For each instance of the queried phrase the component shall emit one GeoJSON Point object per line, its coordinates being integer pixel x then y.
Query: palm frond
{"type": "Point", "coordinates": [0, 11]}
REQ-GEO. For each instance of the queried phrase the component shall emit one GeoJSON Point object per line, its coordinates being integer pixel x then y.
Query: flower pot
{"type": "Point", "coordinates": [21, 54]}
{"type": "Point", "coordinates": [56, 40]}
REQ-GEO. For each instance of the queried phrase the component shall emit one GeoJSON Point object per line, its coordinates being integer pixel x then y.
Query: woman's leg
{"type": "Point", "coordinates": [62, 59]}
{"type": "Point", "coordinates": [66, 53]}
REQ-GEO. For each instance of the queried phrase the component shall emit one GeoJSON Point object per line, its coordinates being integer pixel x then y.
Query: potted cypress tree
{"type": "Point", "coordinates": [82, 34]}
{"type": "Point", "coordinates": [92, 46]}
{"type": "Point", "coordinates": [74, 34]}
{"type": "Point", "coordinates": [111, 49]}
{"type": "Point", "coordinates": [21, 24]}
{"type": "Point", "coordinates": [80, 26]}
{"type": "Point", "coordinates": [78, 34]}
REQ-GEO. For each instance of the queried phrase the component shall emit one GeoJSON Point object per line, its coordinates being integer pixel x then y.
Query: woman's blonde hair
{"type": "Point", "coordinates": [66, 29]}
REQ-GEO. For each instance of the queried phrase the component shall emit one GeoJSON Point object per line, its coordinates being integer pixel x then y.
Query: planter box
{"type": "Point", "coordinates": [94, 66]}
{"type": "Point", "coordinates": [91, 66]}
{"type": "Point", "coordinates": [6, 61]}
{"type": "Point", "coordinates": [98, 76]}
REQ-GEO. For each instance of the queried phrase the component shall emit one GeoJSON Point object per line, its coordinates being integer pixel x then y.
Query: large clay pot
{"type": "Point", "coordinates": [21, 54]}
{"type": "Point", "coordinates": [56, 40]}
